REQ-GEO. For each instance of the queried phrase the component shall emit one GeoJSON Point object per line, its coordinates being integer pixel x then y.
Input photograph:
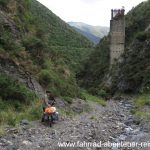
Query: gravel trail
{"type": "Point", "coordinates": [113, 123]}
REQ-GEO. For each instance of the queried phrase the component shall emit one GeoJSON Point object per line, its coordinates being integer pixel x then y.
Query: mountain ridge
{"type": "Point", "coordinates": [93, 33]}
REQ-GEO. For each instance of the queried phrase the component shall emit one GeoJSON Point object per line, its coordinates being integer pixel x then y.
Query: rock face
{"type": "Point", "coordinates": [10, 68]}
{"type": "Point", "coordinates": [100, 125]}
{"type": "Point", "coordinates": [8, 24]}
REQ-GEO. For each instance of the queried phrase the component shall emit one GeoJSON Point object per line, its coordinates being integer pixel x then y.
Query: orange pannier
{"type": "Point", "coordinates": [50, 110]}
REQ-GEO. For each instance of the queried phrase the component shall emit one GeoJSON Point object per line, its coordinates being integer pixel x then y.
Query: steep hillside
{"type": "Point", "coordinates": [38, 42]}
{"type": "Point", "coordinates": [135, 69]}
{"type": "Point", "coordinates": [93, 33]}
{"type": "Point", "coordinates": [91, 37]}
{"type": "Point", "coordinates": [95, 67]}
{"type": "Point", "coordinates": [132, 75]}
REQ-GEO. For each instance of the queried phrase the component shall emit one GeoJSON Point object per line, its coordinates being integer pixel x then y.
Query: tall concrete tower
{"type": "Point", "coordinates": [117, 34]}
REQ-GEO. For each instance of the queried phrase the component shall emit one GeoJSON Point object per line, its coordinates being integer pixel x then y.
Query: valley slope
{"type": "Point", "coordinates": [93, 33]}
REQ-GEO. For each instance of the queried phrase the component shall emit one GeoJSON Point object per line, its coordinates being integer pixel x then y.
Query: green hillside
{"type": "Point", "coordinates": [132, 75]}
{"type": "Point", "coordinates": [95, 67]}
{"type": "Point", "coordinates": [135, 69]}
{"type": "Point", "coordinates": [42, 44]}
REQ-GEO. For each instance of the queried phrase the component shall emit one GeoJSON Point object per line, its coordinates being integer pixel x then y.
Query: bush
{"type": "Point", "coordinates": [68, 100]}
{"type": "Point", "coordinates": [10, 116]}
{"type": "Point", "coordinates": [8, 43]}
{"type": "Point", "coordinates": [58, 83]}
{"type": "Point", "coordinates": [146, 81]}
{"type": "Point", "coordinates": [35, 111]}
{"type": "Point", "coordinates": [36, 47]}
{"type": "Point", "coordinates": [4, 3]}
{"type": "Point", "coordinates": [142, 36]}
{"type": "Point", "coordinates": [17, 105]}
{"type": "Point", "coordinates": [102, 93]}
{"type": "Point", "coordinates": [82, 95]}
{"type": "Point", "coordinates": [45, 78]}
{"type": "Point", "coordinates": [93, 98]}
{"type": "Point", "coordinates": [13, 90]}
{"type": "Point", "coordinates": [95, 67]}
{"type": "Point", "coordinates": [142, 100]}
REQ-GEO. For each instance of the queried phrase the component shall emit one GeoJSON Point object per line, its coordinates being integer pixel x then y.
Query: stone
{"type": "Point", "coordinates": [3, 140]}
{"type": "Point", "coordinates": [80, 127]}
{"type": "Point", "coordinates": [15, 148]}
{"type": "Point", "coordinates": [26, 143]}
{"type": "Point", "coordinates": [9, 142]}
{"type": "Point", "coordinates": [122, 137]}
{"type": "Point", "coordinates": [121, 124]}
{"type": "Point", "coordinates": [13, 130]}
{"type": "Point", "coordinates": [128, 130]}
{"type": "Point", "coordinates": [111, 138]}
{"type": "Point", "coordinates": [136, 131]}
{"type": "Point", "coordinates": [41, 145]}
{"type": "Point", "coordinates": [25, 122]}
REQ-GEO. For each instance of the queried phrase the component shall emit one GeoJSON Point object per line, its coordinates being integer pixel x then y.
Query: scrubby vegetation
{"type": "Point", "coordinates": [132, 75]}
{"type": "Point", "coordinates": [136, 65]}
{"type": "Point", "coordinates": [43, 45]}
{"type": "Point", "coordinates": [95, 68]}
{"type": "Point", "coordinates": [141, 102]}
{"type": "Point", "coordinates": [17, 102]}
{"type": "Point", "coordinates": [13, 90]}
{"type": "Point", "coordinates": [93, 98]}
{"type": "Point", "coordinates": [13, 112]}
{"type": "Point", "coordinates": [55, 54]}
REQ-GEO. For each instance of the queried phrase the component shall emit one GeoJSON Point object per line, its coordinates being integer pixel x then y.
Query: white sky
{"type": "Point", "coordinates": [93, 12]}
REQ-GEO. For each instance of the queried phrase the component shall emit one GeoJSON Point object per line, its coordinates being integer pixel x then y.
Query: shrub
{"type": "Point", "coordinates": [36, 47]}
{"type": "Point", "coordinates": [10, 116]}
{"type": "Point", "coordinates": [35, 111]}
{"type": "Point", "coordinates": [146, 81]}
{"type": "Point", "coordinates": [94, 98]}
{"type": "Point", "coordinates": [142, 36]}
{"type": "Point", "coordinates": [4, 3]}
{"type": "Point", "coordinates": [13, 90]}
{"type": "Point", "coordinates": [142, 100]}
{"type": "Point", "coordinates": [58, 83]}
{"type": "Point", "coordinates": [68, 100]}
{"type": "Point", "coordinates": [8, 43]}
{"type": "Point", "coordinates": [45, 78]}
{"type": "Point", "coordinates": [102, 93]}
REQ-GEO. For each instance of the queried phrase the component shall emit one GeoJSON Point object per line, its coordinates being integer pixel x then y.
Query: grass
{"type": "Point", "coordinates": [93, 98]}
{"type": "Point", "coordinates": [11, 116]}
{"type": "Point", "coordinates": [93, 118]}
{"type": "Point", "coordinates": [2, 130]}
{"type": "Point", "coordinates": [12, 90]}
{"type": "Point", "coordinates": [66, 112]}
{"type": "Point", "coordinates": [140, 102]}
{"type": "Point", "coordinates": [144, 115]}
{"type": "Point", "coordinates": [68, 99]}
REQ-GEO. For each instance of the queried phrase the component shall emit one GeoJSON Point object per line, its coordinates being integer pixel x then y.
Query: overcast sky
{"type": "Point", "coordinates": [93, 12]}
